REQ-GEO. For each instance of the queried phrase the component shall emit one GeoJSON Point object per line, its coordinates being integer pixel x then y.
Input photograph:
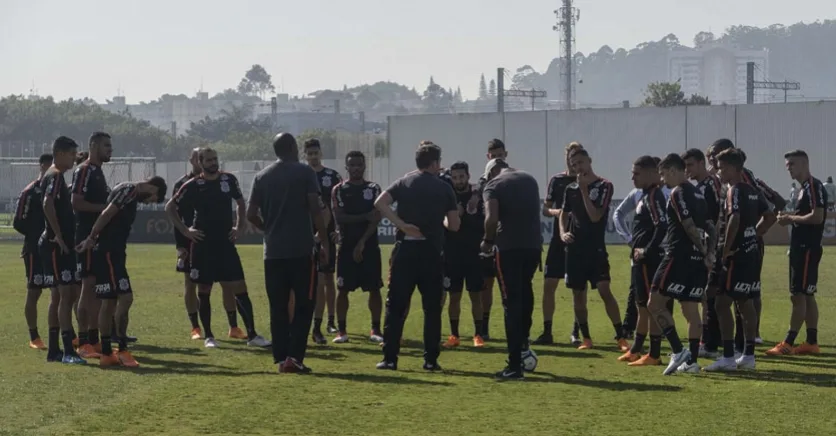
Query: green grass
{"type": "Point", "coordinates": [184, 389]}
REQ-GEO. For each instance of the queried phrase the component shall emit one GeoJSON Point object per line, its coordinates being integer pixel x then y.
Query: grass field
{"type": "Point", "coordinates": [182, 388]}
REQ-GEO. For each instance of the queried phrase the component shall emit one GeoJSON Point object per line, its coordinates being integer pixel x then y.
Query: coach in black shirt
{"type": "Point", "coordinates": [426, 205]}
{"type": "Point", "coordinates": [284, 200]}
{"type": "Point", "coordinates": [512, 229]}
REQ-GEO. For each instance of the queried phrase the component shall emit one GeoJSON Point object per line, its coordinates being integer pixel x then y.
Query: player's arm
{"type": "Point", "coordinates": [183, 198]}
{"type": "Point", "coordinates": [315, 209]}
{"type": "Point", "coordinates": [121, 199]}
{"type": "Point", "coordinates": [768, 218]}
{"type": "Point", "coordinates": [771, 195]}
{"type": "Point", "coordinates": [53, 187]}
{"type": "Point", "coordinates": [660, 222]}
{"type": "Point", "coordinates": [565, 211]}
{"type": "Point", "coordinates": [683, 212]}
{"type": "Point", "coordinates": [373, 218]}
{"type": "Point", "coordinates": [732, 219]}
{"type": "Point", "coordinates": [384, 203]}
{"type": "Point", "coordinates": [452, 221]}
{"type": "Point", "coordinates": [344, 218]}
{"type": "Point", "coordinates": [240, 205]}
{"type": "Point", "coordinates": [81, 179]}
{"type": "Point", "coordinates": [622, 212]}
{"type": "Point", "coordinates": [814, 194]}
{"type": "Point", "coordinates": [21, 219]}
{"type": "Point", "coordinates": [254, 204]}
{"type": "Point", "coordinates": [596, 210]}
{"type": "Point", "coordinates": [548, 202]}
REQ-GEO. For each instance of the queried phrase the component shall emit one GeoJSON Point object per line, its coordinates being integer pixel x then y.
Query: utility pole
{"type": "Point", "coordinates": [500, 100]}
{"type": "Point", "coordinates": [532, 94]}
{"type": "Point", "coordinates": [752, 84]}
{"type": "Point", "coordinates": [567, 17]}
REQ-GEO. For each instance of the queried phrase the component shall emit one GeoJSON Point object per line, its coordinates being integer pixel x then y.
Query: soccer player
{"type": "Point", "coordinates": [689, 252]}
{"type": "Point", "coordinates": [359, 260]}
{"type": "Point", "coordinates": [426, 205]}
{"type": "Point", "coordinates": [182, 245]}
{"type": "Point", "coordinates": [29, 222]}
{"type": "Point", "coordinates": [555, 268]}
{"type": "Point", "coordinates": [710, 187]}
{"type": "Point", "coordinates": [807, 223]}
{"type": "Point", "coordinates": [587, 201]}
{"type": "Point", "coordinates": [512, 232]}
{"type": "Point", "coordinates": [327, 178]}
{"type": "Point", "coordinates": [213, 255]}
{"type": "Point", "coordinates": [648, 230]}
{"type": "Point", "coordinates": [56, 248]}
{"type": "Point", "coordinates": [107, 242]}
{"type": "Point", "coordinates": [89, 198]}
{"type": "Point", "coordinates": [284, 202]}
{"type": "Point", "coordinates": [747, 215]}
{"type": "Point", "coordinates": [463, 266]}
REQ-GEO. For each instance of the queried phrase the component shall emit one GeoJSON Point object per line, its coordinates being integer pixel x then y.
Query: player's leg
{"type": "Point", "coordinates": [201, 274]}
{"type": "Point", "coordinates": [277, 283]}
{"type": "Point", "coordinates": [304, 284]}
{"type": "Point", "coordinates": [430, 284]}
{"type": "Point", "coordinates": [124, 301]}
{"type": "Point", "coordinates": [371, 283]}
{"type": "Point", "coordinates": [750, 316]}
{"type": "Point", "coordinates": [639, 283]}
{"type": "Point", "coordinates": [189, 290]}
{"type": "Point", "coordinates": [723, 307]}
{"type": "Point", "coordinates": [553, 271]}
{"type": "Point", "coordinates": [34, 289]}
{"type": "Point", "coordinates": [602, 283]}
{"type": "Point", "coordinates": [811, 314]}
{"type": "Point", "coordinates": [66, 266]}
{"type": "Point", "coordinates": [83, 311]}
{"type": "Point", "coordinates": [319, 310]}
{"type": "Point", "coordinates": [487, 296]}
{"type": "Point", "coordinates": [631, 315]}
{"type": "Point", "coordinates": [107, 314]}
{"type": "Point", "coordinates": [645, 325]}
{"type": "Point", "coordinates": [230, 307]}
{"type": "Point", "coordinates": [509, 271]}
{"type": "Point", "coordinates": [475, 283]}
{"type": "Point", "coordinates": [403, 275]}
{"type": "Point", "coordinates": [331, 288]}
{"type": "Point", "coordinates": [453, 287]}
{"type": "Point", "coordinates": [711, 328]}
{"type": "Point", "coordinates": [659, 313]}
{"type": "Point", "coordinates": [691, 312]}
{"type": "Point", "coordinates": [347, 273]}
{"type": "Point", "coordinates": [758, 302]}
{"type": "Point", "coordinates": [799, 262]}
{"type": "Point", "coordinates": [577, 276]}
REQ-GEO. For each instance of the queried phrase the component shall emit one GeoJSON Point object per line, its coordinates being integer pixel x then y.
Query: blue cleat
{"type": "Point", "coordinates": [73, 360]}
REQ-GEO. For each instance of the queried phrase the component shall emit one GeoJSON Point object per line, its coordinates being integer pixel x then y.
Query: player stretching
{"type": "Point", "coordinates": [462, 263]}
{"type": "Point", "coordinates": [213, 255]}
{"type": "Point", "coordinates": [747, 216]}
{"type": "Point", "coordinates": [358, 261]}
{"type": "Point", "coordinates": [684, 268]}
{"type": "Point", "coordinates": [29, 222]}
{"type": "Point", "coordinates": [555, 267]}
{"type": "Point", "coordinates": [805, 254]}
{"type": "Point", "coordinates": [182, 245]}
{"type": "Point", "coordinates": [649, 227]}
{"type": "Point", "coordinates": [327, 178]}
{"type": "Point", "coordinates": [587, 201]}
{"type": "Point", "coordinates": [107, 243]}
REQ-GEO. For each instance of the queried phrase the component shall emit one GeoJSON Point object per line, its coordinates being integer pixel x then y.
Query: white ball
{"type": "Point", "coordinates": [529, 360]}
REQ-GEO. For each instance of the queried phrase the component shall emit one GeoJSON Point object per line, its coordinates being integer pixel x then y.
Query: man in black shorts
{"type": "Point", "coordinates": [807, 223]}
{"type": "Point", "coordinates": [285, 203]}
{"type": "Point", "coordinates": [213, 255]}
{"type": "Point", "coordinates": [56, 248]}
{"type": "Point", "coordinates": [587, 202]}
{"type": "Point", "coordinates": [689, 252]}
{"type": "Point", "coordinates": [426, 205]}
{"type": "Point", "coordinates": [327, 179]}
{"type": "Point", "coordinates": [649, 227]}
{"type": "Point", "coordinates": [108, 241]}
{"type": "Point", "coordinates": [747, 215]}
{"type": "Point", "coordinates": [710, 187]}
{"type": "Point", "coordinates": [463, 266]}
{"type": "Point", "coordinates": [512, 232]}
{"type": "Point", "coordinates": [555, 268]}
{"type": "Point", "coordinates": [29, 222]}
{"type": "Point", "coordinates": [182, 245]}
{"type": "Point", "coordinates": [359, 260]}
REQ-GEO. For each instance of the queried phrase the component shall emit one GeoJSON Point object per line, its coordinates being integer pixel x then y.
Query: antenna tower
{"type": "Point", "coordinates": [567, 17]}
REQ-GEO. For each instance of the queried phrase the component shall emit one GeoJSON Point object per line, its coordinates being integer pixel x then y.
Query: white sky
{"type": "Point", "coordinates": [149, 47]}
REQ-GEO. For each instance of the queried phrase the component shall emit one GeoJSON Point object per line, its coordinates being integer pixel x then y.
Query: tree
{"type": "Point", "coordinates": [525, 78]}
{"type": "Point", "coordinates": [436, 98]}
{"type": "Point", "coordinates": [668, 94]}
{"type": "Point", "coordinates": [698, 100]}
{"type": "Point", "coordinates": [483, 88]}
{"type": "Point", "coordinates": [256, 82]}
{"type": "Point", "coordinates": [492, 88]}
{"type": "Point", "coordinates": [703, 38]}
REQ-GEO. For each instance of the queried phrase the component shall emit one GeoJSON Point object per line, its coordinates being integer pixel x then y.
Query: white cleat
{"type": "Point", "coordinates": [737, 355]}
{"type": "Point", "coordinates": [375, 338]}
{"type": "Point", "coordinates": [723, 364]}
{"type": "Point", "coordinates": [210, 343]}
{"type": "Point", "coordinates": [688, 368]}
{"type": "Point", "coordinates": [677, 359]}
{"type": "Point", "coordinates": [705, 354]}
{"type": "Point", "coordinates": [759, 340]}
{"type": "Point", "coordinates": [259, 341]}
{"type": "Point", "coordinates": [341, 338]}
{"type": "Point", "coordinates": [575, 340]}
{"type": "Point", "coordinates": [746, 362]}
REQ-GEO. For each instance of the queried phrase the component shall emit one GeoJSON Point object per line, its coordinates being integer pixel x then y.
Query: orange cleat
{"type": "Point", "coordinates": [806, 348]}
{"type": "Point", "coordinates": [37, 344]}
{"type": "Point", "coordinates": [478, 342]}
{"type": "Point", "coordinates": [452, 342]}
{"type": "Point", "coordinates": [108, 361]}
{"type": "Point", "coordinates": [75, 343]}
{"type": "Point", "coordinates": [782, 349]}
{"type": "Point", "coordinates": [629, 357]}
{"type": "Point", "coordinates": [98, 348]}
{"type": "Point", "coordinates": [87, 351]}
{"type": "Point", "coordinates": [623, 345]}
{"type": "Point", "coordinates": [196, 334]}
{"type": "Point", "coordinates": [237, 333]}
{"type": "Point", "coordinates": [586, 344]}
{"type": "Point", "coordinates": [126, 359]}
{"type": "Point", "coordinates": [646, 360]}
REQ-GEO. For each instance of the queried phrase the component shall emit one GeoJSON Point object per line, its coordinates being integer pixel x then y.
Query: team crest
{"type": "Point", "coordinates": [124, 284]}
{"type": "Point", "coordinates": [368, 194]}
{"type": "Point", "coordinates": [340, 282]}
{"type": "Point", "coordinates": [201, 182]}
{"type": "Point", "coordinates": [593, 194]}
{"type": "Point", "coordinates": [225, 187]}
{"type": "Point", "coordinates": [224, 177]}
{"type": "Point", "coordinates": [326, 181]}
{"type": "Point", "coordinates": [38, 279]}
{"type": "Point", "coordinates": [66, 275]}
{"type": "Point", "coordinates": [181, 263]}
{"type": "Point", "coordinates": [194, 274]}
{"type": "Point", "coordinates": [446, 282]}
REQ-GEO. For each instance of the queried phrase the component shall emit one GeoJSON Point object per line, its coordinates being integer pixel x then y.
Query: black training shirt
{"type": "Point", "coordinates": [186, 214]}
{"type": "Point", "coordinates": [588, 234]}
{"type": "Point", "coordinates": [518, 196]}
{"type": "Point", "coordinates": [749, 204]}
{"type": "Point", "coordinates": [114, 237]}
{"type": "Point", "coordinates": [328, 179]}
{"type": "Point", "coordinates": [554, 194]}
{"type": "Point", "coordinates": [811, 197]}
{"type": "Point", "coordinates": [423, 201]}
{"type": "Point", "coordinates": [211, 201]}
{"type": "Point", "coordinates": [649, 222]}
{"type": "Point", "coordinates": [89, 182]}
{"type": "Point", "coordinates": [54, 186]}
{"type": "Point", "coordinates": [29, 216]}
{"type": "Point", "coordinates": [355, 199]}
{"type": "Point", "coordinates": [467, 239]}
{"type": "Point", "coordinates": [685, 202]}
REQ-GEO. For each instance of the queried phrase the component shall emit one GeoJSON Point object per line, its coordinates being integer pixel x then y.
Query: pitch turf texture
{"type": "Point", "coordinates": [182, 388]}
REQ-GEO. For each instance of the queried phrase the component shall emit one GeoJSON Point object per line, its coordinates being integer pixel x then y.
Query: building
{"type": "Point", "coordinates": [718, 71]}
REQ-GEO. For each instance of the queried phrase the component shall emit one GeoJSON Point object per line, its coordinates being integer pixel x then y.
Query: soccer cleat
{"type": "Point", "coordinates": [391, 366]}
{"type": "Point", "coordinates": [586, 344]}
{"type": "Point", "coordinates": [723, 364]}
{"type": "Point", "coordinates": [623, 345]}
{"type": "Point", "coordinates": [630, 335]}
{"type": "Point", "coordinates": [55, 357]}
{"type": "Point", "coordinates": [341, 338]}
{"type": "Point", "coordinates": [87, 351]}
{"type": "Point", "coordinates": [259, 341]}
{"type": "Point", "coordinates": [544, 339]}
{"type": "Point", "coordinates": [510, 374]}
{"type": "Point", "coordinates": [646, 360]}
{"type": "Point", "coordinates": [210, 343]}
{"type": "Point", "coordinates": [575, 340]}
{"type": "Point", "coordinates": [677, 359]}
{"type": "Point", "coordinates": [383, 344]}
{"type": "Point", "coordinates": [745, 362]}
{"type": "Point", "coordinates": [431, 366]}
{"type": "Point", "coordinates": [782, 349]}
{"type": "Point", "coordinates": [478, 342]}
{"type": "Point", "coordinates": [108, 361]}
{"type": "Point", "coordinates": [72, 359]}
{"type": "Point", "coordinates": [706, 354]}
{"type": "Point", "coordinates": [376, 337]}
{"type": "Point", "coordinates": [196, 334]}
{"type": "Point", "coordinates": [292, 365]}
{"type": "Point", "coordinates": [126, 359]}
{"type": "Point", "coordinates": [759, 340]}
{"type": "Point", "coordinates": [318, 338]}
{"type": "Point", "coordinates": [452, 342]}
{"type": "Point", "coordinates": [806, 348]}
{"type": "Point", "coordinates": [629, 357]}
{"type": "Point", "coordinates": [485, 336]}
{"type": "Point", "coordinates": [37, 344]}
{"type": "Point", "coordinates": [688, 368]}
{"type": "Point", "coordinates": [331, 329]}
{"type": "Point", "coordinates": [236, 333]}
{"type": "Point", "coordinates": [98, 347]}
{"type": "Point", "coordinates": [75, 343]}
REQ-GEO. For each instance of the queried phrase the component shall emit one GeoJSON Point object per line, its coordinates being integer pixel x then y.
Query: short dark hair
{"type": "Point", "coordinates": [205, 150]}
{"type": "Point", "coordinates": [460, 165]}
{"type": "Point", "coordinates": [355, 153]}
{"type": "Point", "coordinates": [426, 155]}
{"type": "Point", "coordinates": [572, 146]}
{"type": "Point", "coordinates": [645, 162]}
{"type": "Point", "coordinates": [694, 153]}
{"type": "Point", "coordinates": [720, 145]}
{"type": "Point", "coordinates": [312, 143]}
{"type": "Point", "coordinates": [656, 160]}
{"type": "Point", "coordinates": [159, 182]}
{"type": "Point", "coordinates": [98, 136]}
{"type": "Point", "coordinates": [578, 152]}
{"type": "Point", "coordinates": [45, 158]}
{"type": "Point", "coordinates": [496, 143]}
{"type": "Point", "coordinates": [284, 144]}
{"type": "Point", "coordinates": [732, 157]}
{"type": "Point", "coordinates": [672, 161]}
{"type": "Point", "coordinates": [63, 144]}
{"type": "Point", "coordinates": [796, 153]}
{"type": "Point", "coordinates": [81, 157]}
{"type": "Point", "coordinates": [425, 142]}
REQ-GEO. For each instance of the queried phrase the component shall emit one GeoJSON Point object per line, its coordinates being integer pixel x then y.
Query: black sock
{"type": "Point", "coordinates": [82, 338]}
{"type": "Point", "coordinates": [193, 320]}
{"type": "Point", "coordinates": [576, 329]}
{"type": "Point", "coordinates": [330, 320]}
{"type": "Point", "coordinates": [52, 340]}
{"type": "Point", "coordinates": [728, 349]}
{"type": "Point", "coordinates": [694, 348]}
{"type": "Point", "coordinates": [486, 317]}
{"type": "Point", "coordinates": [673, 338]}
{"type": "Point", "coordinates": [317, 325]}
{"type": "Point", "coordinates": [33, 334]}
{"type": "Point", "coordinates": [72, 333]}
{"type": "Point", "coordinates": [477, 327]}
{"type": "Point", "coordinates": [376, 327]}
{"type": "Point", "coordinates": [739, 340]}
{"type": "Point", "coordinates": [638, 344]}
{"type": "Point", "coordinates": [232, 318]}
{"type": "Point", "coordinates": [454, 327]}
{"type": "Point", "coordinates": [791, 335]}
{"type": "Point", "coordinates": [205, 311]}
{"type": "Point", "coordinates": [342, 326]}
{"type": "Point", "coordinates": [584, 328]}
{"type": "Point", "coordinates": [245, 308]}
{"type": "Point", "coordinates": [123, 344]}
{"type": "Point", "coordinates": [812, 336]}
{"type": "Point", "coordinates": [655, 346]}
{"type": "Point", "coordinates": [113, 332]}
{"type": "Point", "coordinates": [93, 336]}
{"type": "Point", "coordinates": [106, 348]}
{"type": "Point", "coordinates": [619, 330]}
{"type": "Point", "coordinates": [67, 338]}
{"type": "Point", "coordinates": [547, 328]}
{"type": "Point", "coordinates": [750, 347]}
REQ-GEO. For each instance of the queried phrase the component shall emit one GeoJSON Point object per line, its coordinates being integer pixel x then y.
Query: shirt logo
{"type": "Point", "coordinates": [224, 187]}
{"type": "Point", "coordinates": [66, 275]}
{"type": "Point", "coordinates": [446, 282]}
{"type": "Point", "coordinates": [326, 181]}
{"type": "Point", "coordinates": [368, 194]}
{"type": "Point", "coordinates": [194, 274]}
{"type": "Point", "coordinates": [124, 284]}
{"type": "Point", "coordinates": [224, 177]}
{"type": "Point", "coordinates": [201, 182]}
{"type": "Point", "coordinates": [593, 194]}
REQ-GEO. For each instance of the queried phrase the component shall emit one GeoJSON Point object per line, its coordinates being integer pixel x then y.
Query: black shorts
{"type": "Point", "coordinates": [464, 270]}
{"type": "Point", "coordinates": [555, 267]}
{"type": "Point", "coordinates": [366, 275]}
{"type": "Point", "coordinates": [84, 264]}
{"type": "Point", "coordinates": [741, 278]}
{"type": "Point", "coordinates": [59, 268]}
{"type": "Point", "coordinates": [586, 266]}
{"type": "Point", "coordinates": [641, 279]}
{"type": "Point", "coordinates": [804, 270]}
{"type": "Point", "coordinates": [184, 264]}
{"type": "Point", "coordinates": [34, 271]}
{"type": "Point", "coordinates": [681, 279]}
{"type": "Point", "coordinates": [329, 267]}
{"type": "Point", "coordinates": [717, 273]}
{"type": "Point", "coordinates": [215, 261]}
{"type": "Point", "coordinates": [110, 270]}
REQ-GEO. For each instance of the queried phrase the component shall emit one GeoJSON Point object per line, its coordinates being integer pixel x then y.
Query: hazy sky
{"type": "Point", "coordinates": [150, 47]}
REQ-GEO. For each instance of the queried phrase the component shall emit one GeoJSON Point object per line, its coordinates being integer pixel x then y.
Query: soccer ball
{"type": "Point", "coordinates": [529, 360]}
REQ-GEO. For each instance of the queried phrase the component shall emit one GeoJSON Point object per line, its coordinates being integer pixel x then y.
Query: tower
{"type": "Point", "coordinates": [567, 18]}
